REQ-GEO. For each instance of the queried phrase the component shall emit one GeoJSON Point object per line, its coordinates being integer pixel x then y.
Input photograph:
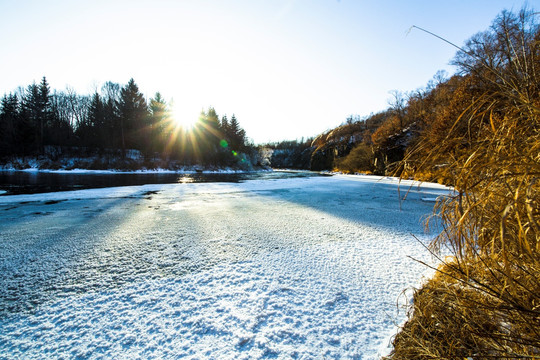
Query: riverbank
{"type": "Point", "coordinates": [132, 163]}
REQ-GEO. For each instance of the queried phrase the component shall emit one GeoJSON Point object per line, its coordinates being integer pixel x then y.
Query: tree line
{"type": "Point", "coordinates": [112, 121]}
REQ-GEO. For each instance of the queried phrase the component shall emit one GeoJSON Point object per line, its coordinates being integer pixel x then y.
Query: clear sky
{"type": "Point", "coordinates": [286, 68]}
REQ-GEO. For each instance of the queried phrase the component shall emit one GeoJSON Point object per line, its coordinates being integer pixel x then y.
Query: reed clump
{"type": "Point", "coordinates": [484, 303]}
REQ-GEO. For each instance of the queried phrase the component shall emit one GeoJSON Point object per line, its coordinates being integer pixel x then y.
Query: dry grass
{"type": "Point", "coordinates": [458, 316]}
{"type": "Point", "coordinates": [485, 303]}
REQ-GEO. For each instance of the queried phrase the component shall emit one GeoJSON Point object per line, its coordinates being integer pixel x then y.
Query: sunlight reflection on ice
{"type": "Point", "coordinates": [185, 180]}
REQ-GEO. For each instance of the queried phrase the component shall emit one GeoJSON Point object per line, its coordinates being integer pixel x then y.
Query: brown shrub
{"type": "Point", "coordinates": [485, 304]}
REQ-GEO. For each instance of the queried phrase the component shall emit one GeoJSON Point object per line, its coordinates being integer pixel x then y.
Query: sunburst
{"type": "Point", "coordinates": [184, 119]}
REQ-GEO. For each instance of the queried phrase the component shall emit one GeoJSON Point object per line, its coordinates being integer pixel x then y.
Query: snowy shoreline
{"type": "Point", "coordinates": [188, 170]}
{"type": "Point", "coordinates": [133, 162]}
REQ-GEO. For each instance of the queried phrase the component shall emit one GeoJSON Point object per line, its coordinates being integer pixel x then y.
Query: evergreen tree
{"type": "Point", "coordinates": [96, 123]}
{"type": "Point", "coordinates": [9, 114]}
{"type": "Point", "coordinates": [207, 135]}
{"type": "Point", "coordinates": [224, 125]}
{"type": "Point", "coordinates": [212, 126]}
{"type": "Point", "coordinates": [159, 128]}
{"type": "Point", "coordinates": [44, 111]}
{"type": "Point", "coordinates": [133, 113]}
{"type": "Point", "coordinates": [36, 115]}
{"type": "Point", "coordinates": [236, 134]}
{"type": "Point", "coordinates": [30, 119]}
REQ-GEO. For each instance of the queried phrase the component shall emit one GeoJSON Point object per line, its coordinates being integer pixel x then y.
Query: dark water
{"type": "Point", "coordinates": [22, 182]}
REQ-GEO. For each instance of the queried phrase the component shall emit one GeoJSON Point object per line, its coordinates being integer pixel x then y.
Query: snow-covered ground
{"type": "Point", "coordinates": [185, 170]}
{"type": "Point", "coordinates": [303, 268]}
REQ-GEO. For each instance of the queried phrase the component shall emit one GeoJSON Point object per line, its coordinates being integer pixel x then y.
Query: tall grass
{"type": "Point", "coordinates": [484, 302]}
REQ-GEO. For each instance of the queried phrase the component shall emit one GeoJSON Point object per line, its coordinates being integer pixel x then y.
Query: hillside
{"type": "Point", "coordinates": [478, 130]}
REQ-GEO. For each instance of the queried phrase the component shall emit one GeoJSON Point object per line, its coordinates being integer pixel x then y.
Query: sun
{"type": "Point", "coordinates": [184, 118]}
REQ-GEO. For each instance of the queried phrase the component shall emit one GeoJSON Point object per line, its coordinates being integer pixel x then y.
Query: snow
{"type": "Point", "coordinates": [303, 268]}
{"type": "Point", "coordinates": [186, 170]}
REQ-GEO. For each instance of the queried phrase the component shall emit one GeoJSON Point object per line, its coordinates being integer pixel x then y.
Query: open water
{"type": "Point", "coordinates": [32, 182]}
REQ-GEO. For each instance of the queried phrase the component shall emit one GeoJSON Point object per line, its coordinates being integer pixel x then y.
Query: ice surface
{"type": "Point", "coordinates": [304, 268]}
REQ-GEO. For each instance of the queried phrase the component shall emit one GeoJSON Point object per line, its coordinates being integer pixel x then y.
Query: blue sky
{"type": "Point", "coordinates": [285, 68]}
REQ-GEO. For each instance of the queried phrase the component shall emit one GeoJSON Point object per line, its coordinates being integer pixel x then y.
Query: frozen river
{"type": "Point", "coordinates": [302, 268]}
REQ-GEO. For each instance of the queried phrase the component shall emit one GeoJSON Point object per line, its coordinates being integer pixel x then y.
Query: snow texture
{"type": "Point", "coordinates": [304, 268]}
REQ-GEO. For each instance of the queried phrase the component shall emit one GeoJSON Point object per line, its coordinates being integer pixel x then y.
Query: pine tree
{"type": "Point", "coordinates": [133, 113]}
{"type": "Point", "coordinates": [96, 122]}
{"type": "Point", "coordinates": [236, 134]}
{"type": "Point", "coordinates": [30, 119]}
{"type": "Point", "coordinates": [44, 111]}
{"type": "Point", "coordinates": [224, 126]}
{"type": "Point", "coordinates": [9, 114]}
{"type": "Point", "coordinates": [158, 123]}
{"type": "Point", "coordinates": [212, 126]}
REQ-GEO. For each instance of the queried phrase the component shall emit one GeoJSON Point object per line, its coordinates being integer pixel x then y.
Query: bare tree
{"type": "Point", "coordinates": [398, 105]}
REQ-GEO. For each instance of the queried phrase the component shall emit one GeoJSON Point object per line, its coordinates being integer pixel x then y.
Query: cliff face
{"type": "Point", "coordinates": [337, 143]}
{"type": "Point", "coordinates": [291, 158]}
{"type": "Point", "coordinates": [393, 150]}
